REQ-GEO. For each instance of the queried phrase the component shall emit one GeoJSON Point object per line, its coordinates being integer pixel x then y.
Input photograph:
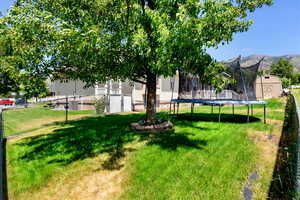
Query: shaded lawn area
{"type": "Point", "coordinates": [202, 159]}
{"type": "Point", "coordinates": [21, 121]}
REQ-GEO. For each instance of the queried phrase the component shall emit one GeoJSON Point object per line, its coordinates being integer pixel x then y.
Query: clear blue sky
{"type": "Point", "coordinates": [4, 5]}
{"type": "Point", "coordinates": [275, 32]}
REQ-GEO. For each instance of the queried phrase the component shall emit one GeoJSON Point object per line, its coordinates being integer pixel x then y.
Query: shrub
{"type": "Point", "coordinates": [100, 105]}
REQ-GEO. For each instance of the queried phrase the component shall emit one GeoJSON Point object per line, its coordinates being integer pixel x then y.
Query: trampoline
{"type": "Point", "coordinates": [243, 92]}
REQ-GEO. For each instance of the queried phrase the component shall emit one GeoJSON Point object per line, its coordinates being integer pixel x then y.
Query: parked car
{"type": "Point", "coordinates": [20, 101]}
{"type": "Point", "coordinates": [6, 102]}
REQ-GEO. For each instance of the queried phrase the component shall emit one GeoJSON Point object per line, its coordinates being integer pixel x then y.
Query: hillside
{"type": "Point", "coordinates": [252, 59]}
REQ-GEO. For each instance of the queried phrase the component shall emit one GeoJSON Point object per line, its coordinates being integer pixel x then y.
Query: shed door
{"type": "Point", "coordinates": [127, 104]}
{"type": "Point", "coordinates": [115, 104]}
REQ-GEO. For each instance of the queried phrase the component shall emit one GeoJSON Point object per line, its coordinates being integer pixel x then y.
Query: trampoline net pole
{"type": "Point", "coordinates": [243, 80]}
{"type": "Point", "coordinates": [261, 80]}
{"type": "Point", "coordinates": [174, 109]}
{"type": "Point", "coordinates": [262, 87]}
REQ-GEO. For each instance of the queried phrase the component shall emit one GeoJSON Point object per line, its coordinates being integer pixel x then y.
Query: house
{"type": "Point", "coordinates": [130, 96]}
{"type": "Point", "coordinates": [69, 88]}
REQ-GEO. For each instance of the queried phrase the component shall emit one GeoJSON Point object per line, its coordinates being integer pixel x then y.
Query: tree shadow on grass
{"type": "Point", "coordinates": [80, 139]}
{"type": "Point", "coordinates": [89, 137]}
{"type": "Point", "coordinates": [214, 117]}
{"type": "Point", "coordinates": [171, 141]}
{"type": "Point", "coordinates": [113, 162]}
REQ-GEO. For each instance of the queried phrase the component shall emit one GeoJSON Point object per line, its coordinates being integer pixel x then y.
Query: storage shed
{"type": "Point", "coordinates": [268, 86]}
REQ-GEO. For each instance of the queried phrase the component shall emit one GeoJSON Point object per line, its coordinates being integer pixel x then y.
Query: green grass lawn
{"type": "Point", "coordinates": [202, 159]}
{"type": "Point", "coordinates": [25, 120]}
{"type": "Point", "coordinates": [193, 164]}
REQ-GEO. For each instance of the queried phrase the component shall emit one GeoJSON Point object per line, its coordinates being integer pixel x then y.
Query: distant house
{"type": "Point", "coordinates": [268, 86]}
{"type": "Point", "coordinates": [129, 96]}
{"type": "Point", "coordinates": [114, 88]}
{"type": "Point", "coordinates": [70, 88]}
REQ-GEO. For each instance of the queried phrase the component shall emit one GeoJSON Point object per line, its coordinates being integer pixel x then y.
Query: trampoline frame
{"type": "Point", "coordinates": [218, 102]}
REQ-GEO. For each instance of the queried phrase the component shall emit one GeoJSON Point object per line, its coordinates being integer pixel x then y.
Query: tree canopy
{"type": "Point", "coordinates": [282, 68]}
{"type": "Point", "coordinates": [137, 40]}
{"type": "Point", "coordinates": [34, 86]}
{"type": "Point", "coordinates": [14, 76]}
{"type": "Point", "coordinates": [296, 78]}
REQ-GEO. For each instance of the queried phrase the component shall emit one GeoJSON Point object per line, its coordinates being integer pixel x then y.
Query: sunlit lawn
{"type": "Point", "coordinates": [25, 120]}
{"type": "Point", "coordinates": [202, 159]}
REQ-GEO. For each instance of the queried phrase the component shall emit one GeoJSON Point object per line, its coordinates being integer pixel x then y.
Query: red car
{"type": "Point", "coordinates": [6, 102]}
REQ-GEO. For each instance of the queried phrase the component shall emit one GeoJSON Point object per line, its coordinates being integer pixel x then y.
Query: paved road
{"type": "Point", "coordinates": [2, 107]}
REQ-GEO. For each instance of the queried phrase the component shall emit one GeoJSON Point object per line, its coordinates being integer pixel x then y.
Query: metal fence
{"type": "Point", "coordinates": [114, 103]}
{"type": "Point", "coordinates": [297, 182]}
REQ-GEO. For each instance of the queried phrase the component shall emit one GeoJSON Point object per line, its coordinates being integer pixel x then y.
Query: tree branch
{"type": "Point", "coordinates": [138, 81]}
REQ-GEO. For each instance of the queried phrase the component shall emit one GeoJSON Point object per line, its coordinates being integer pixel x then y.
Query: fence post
{"type": "Point", "coordinates": [264, 113]}
{"type": "Point", "coordinates": [1, 155]}
{"type": "Point", "coordinates": [219, 112]}
{"type": "Point", "coordinates": [3, 185]}
{"type": "Point", "coordinates": [66, 108]}
{"type": "Point", "coordinates": [248, 113]}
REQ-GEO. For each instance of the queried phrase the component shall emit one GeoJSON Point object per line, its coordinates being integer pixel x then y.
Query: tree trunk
{"type": "Point", "coordinates": [182, 83]}
{"type": "Point", "coordinates": [151, 98]}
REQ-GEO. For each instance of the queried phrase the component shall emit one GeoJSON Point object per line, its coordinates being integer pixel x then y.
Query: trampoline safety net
{"type": "Point", "coordinates": [243, 88]}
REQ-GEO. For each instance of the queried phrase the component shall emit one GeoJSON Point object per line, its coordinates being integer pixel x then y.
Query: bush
{"type": "Point", "coordinates": [286, 83]}
{"type": "Point", "coordinates": [100, 105]}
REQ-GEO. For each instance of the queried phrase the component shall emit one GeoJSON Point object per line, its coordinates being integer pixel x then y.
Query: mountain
{"type": "Point", "coordinates": [268, 60]}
